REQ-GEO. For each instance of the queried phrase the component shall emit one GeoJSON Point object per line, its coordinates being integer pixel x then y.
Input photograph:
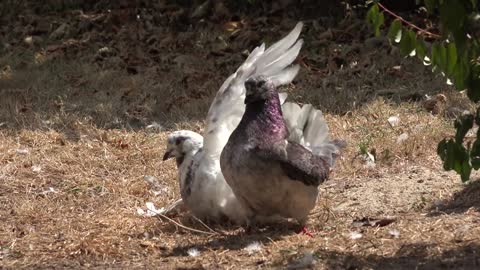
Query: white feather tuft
{"type": "Point", "coordinates": [151, 210]}
{"type": "Point", "coordinates": [305, 262]}
{"type": "Point", "coordinates": [193, 252]}
{"type": "Point", "coordinates": [253, 247]}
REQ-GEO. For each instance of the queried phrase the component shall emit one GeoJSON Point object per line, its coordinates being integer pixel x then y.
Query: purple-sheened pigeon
{"type": "Point", "coordinates": [274, 165]}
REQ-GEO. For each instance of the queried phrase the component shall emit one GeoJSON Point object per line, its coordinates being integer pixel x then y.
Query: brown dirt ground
{"type": "Point", "coordinates": [74, 151]}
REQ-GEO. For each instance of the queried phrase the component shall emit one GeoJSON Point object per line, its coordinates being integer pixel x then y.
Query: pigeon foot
{"type": "Point", "coordinates": [305, 231]}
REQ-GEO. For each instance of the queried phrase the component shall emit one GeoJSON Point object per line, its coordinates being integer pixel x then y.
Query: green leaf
{"type": "Point", "coordinates": [473, 88]}
{"type": "Point", "coordinates": [463, 124]}
{"type": "Point", "coordinates": [452, 14]}
{"type": "Point", "coordinates": [460, 38]}
{"type": "Point", "coordinates": [443, 57]}
{"type": "Point", "coordinates": [461, 73]}
{"type": "Point", "coordinates": [451, 58]}
{"type": "Point", "coordinates": [408, 42]}
{"type": "Point", "coordinates": [475, 154]}
{"type": "Point", "coordinates": [442, 149]}
{"type": "Point", "coordinates": [449, 156]}
{"type": "Point", "coordinates": [439, 56]}
{"type": "Point", "coordinates": [372, 13]}
{"type": "Point", "coordinates": [376, 18]}
{"type": "Point", "coordinates": [455, 156]}
{"type": "Point", "coordinates": [473, 94]}
{"type": "Point", "coordinates": [420, 49]}
{"type": "Point", "coordinates": [457, 56]}
{"type": "Point", "coordinates": [379, 23]}
{"type": "Point", "coordinates": [395, 31]}
{"type": "Point", "coordinates": [435, 54]}
{"type": "Point", "coordinates": [465, 170]}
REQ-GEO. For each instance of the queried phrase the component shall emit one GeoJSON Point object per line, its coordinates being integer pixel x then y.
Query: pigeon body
{"type": "Point", "coordinates": [269, 173]}
{"type": "Point", "coordinates": [202, 185]}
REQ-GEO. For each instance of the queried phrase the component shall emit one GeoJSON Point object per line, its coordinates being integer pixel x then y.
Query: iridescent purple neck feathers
{"type": "Point", "coordinates": [263, 121]}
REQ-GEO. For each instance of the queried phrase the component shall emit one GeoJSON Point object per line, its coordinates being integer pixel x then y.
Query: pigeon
{"type": "Point", "coordinates": [277, 157]}
{"type": "Point", "coordinates": [203, 188]}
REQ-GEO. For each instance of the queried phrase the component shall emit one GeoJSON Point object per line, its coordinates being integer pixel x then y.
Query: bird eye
{"type": "Point", "coordinates": [179, 140]}
{"type": "Point", "coordinates": [260, 83]}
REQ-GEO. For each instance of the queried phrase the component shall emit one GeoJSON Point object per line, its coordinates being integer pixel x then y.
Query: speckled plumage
{"type": "Point", "coordinates": [202, 187]}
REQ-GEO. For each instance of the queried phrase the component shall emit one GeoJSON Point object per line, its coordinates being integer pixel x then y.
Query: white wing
{"type": "Point", "coordinates": [228, 106]}
{"type": "Point", "coordinates": [308, 127]}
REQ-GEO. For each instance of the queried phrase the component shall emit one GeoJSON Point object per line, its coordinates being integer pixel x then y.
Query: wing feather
{"type": "Point", "coordinates": [228, 106]}
{"type": "Point", "coordinates": [297, 162]}
{"type": "Point", "coordinates": [308, 127]}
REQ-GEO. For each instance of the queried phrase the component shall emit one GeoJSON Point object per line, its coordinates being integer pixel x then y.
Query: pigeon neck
{"type": "Point", "coordinates": [180, 160]}
{"type": "Point", "coordinates": [263, 120]}
{"type": "Point", "coordinates": [185, 158]}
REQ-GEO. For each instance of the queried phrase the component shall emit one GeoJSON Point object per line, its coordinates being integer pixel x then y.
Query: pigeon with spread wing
{"type": "Point", "coordinates": [202, 186]}
{"type": "Point", "coordinates": [277, 156]}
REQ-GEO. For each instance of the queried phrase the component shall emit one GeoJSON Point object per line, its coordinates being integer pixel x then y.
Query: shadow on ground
{"type": "Point", "coordinates": [411, 256]}
{"type": "Point", "coordinates": [239, 240]}
{"type": "Point", "coordinates": [461, 201]}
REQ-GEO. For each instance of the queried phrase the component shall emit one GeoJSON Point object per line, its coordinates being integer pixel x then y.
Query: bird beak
{"type": "Point", "coordinates": [167, 155]}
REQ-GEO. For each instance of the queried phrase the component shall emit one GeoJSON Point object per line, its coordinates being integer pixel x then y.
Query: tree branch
{"type": "Point", "coordinates": [420, 30]}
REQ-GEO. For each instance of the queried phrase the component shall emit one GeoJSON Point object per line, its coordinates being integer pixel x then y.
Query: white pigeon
{"type": "Point", "coordinates": [202, 185]}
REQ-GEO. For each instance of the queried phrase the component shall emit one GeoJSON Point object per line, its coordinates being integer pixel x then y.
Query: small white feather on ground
{"type": "Point", "coordinates": [306, 261]}
{"type": "Point", "coordinates": [253, 248]}
{"type": "Point", "coordinates": [193, 252]}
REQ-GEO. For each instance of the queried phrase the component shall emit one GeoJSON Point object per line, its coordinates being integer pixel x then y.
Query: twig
{"type": "Point", "coordinates": [205, 225]}
{"type": "Point", "coordinates": [421, 30]}
{"type": "Point", "coordinates": [183, 226]}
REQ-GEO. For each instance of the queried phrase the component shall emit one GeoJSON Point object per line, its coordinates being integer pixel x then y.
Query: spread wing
{"type": "Point", "coordinates": [228, 106]}
{"type": "Point", "coordinates": [307, 126]}
{"type": "Point", "coordinates": [297, 162]}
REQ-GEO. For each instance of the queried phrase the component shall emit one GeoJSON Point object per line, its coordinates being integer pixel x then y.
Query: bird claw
{"type": "Point", "coordinates": [304, 230]}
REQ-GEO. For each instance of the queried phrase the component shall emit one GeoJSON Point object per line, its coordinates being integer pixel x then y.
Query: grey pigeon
{"type": "Point", "coordinates": [275, 163]}
{"type": "Point", "coordinates": [202, 185]}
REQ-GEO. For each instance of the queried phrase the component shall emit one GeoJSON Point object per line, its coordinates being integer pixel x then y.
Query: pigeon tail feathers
{"type": "Point", "coordinates": [307, 126]}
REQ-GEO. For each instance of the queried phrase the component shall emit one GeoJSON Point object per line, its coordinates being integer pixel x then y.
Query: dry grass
{"type": "Point", "coordinates": [72, 203]}
{"type": "Point", "coordinates": [74, 151]}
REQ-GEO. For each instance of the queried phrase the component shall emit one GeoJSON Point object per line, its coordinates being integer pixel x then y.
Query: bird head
{"type": "Point", "coordinates": [182, 142]}
{"type": "Point", "coordinates": [258, 89]}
